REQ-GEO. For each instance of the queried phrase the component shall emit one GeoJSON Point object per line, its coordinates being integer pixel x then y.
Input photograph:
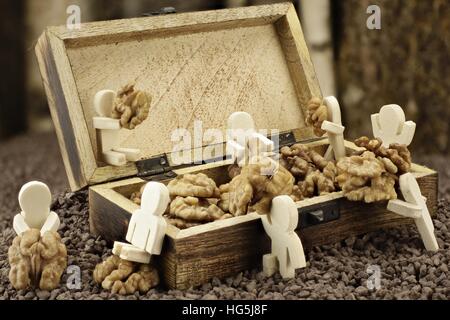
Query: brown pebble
{"type": "Point", "coordinates": [335, 271]}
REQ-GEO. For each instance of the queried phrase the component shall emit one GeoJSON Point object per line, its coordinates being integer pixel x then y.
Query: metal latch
{"type": "Point", "coordinates": [155, 169]}
{"type": "Point", "coordinates": [284, 139]}
{"type": "Point", "coordinates": [158, 168]}
{"type": "Point", "coordinates": [288, 139]}
{"type": "Point", "coordinates": [319, 213]}
{"type": "Point", "coordinates": [162, 11]}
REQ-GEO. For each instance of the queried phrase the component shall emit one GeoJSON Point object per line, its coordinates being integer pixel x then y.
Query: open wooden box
{"type": "Point", "coordinates": [197, 66]}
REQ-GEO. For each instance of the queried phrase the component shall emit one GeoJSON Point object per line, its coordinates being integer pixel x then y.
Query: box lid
{"type": "Point", "coordinates": [196, 66]}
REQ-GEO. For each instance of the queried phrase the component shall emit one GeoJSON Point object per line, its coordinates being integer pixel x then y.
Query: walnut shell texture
{"type": "Point", "coordinates": [37, 261]}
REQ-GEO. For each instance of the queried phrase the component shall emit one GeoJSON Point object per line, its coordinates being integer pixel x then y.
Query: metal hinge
{"type": "Point", "coordinates": [284, 139]}
{"type": "Point", "coordinates": [162, 11]}
{"type": "Point", "coordinates": [288, 139]}
{"type": "Point", "coordinates": [155, 169]}
{"type": "Point", "coordinates": [158, 168]}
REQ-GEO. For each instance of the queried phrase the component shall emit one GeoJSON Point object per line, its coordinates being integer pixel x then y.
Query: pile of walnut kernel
{"type": "Point", "coordinates": [368, 175]}
{"type": "Point", "coordinates": [372, 174]}
{"type": "Point", "coordinates": [196, 199]}
{"type": "Point", "coordinates": [37, 260]}
{"type": "Point", "coordinates": [131, 106]}
{"type": "Point", "coordinates": [125, 277]}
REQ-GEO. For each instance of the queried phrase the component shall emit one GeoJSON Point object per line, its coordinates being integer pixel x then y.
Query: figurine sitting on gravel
{"type": "Point", "coordinates": [147, 227]}
{"type": "Point", "coordinates": [128, 270]}
{"type": "Point", "coordinates": [37, 256]}
{"type": "Point", "coordinates": [37, 261]}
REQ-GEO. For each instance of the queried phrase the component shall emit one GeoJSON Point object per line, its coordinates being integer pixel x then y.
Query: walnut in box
{"type": "Point", "coordinates": [197, 66]}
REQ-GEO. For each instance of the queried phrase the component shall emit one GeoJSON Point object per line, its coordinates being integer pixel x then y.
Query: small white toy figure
{"type": "Point", "coordinates": [147, 227]}
{"type": "Point", "coordinates": [389, 125]}
{"type": "Point", "coordinates": [35, 200]}
{"type": "Point", "coordinates": [415, 207]}
{"type": "Point", "coordinates": [334, 129]}
{"type": "Point", "coordinates": [287, 250]}
{"type": "Point", "coordinates": [243, 142]}
{"type": "Point", "coordinates": [108, 129]}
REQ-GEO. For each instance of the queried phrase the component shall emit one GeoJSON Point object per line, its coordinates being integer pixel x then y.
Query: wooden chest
{"type": "Point", "coordinates": [199, 66]}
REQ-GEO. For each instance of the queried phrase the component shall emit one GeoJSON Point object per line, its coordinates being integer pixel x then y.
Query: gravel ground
{"type": "Point", "coordinates": [336, 271]}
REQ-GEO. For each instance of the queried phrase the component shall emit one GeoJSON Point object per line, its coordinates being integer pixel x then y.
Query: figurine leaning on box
{"type": "Point", "coordinates": [117, 145]}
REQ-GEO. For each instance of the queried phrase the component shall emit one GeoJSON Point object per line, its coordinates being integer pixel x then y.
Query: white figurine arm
{"type": "Point", "coordinates": [106, 123]}
{"type": "Point", "coordinates": [407, 135]}
{"type": "Point", "coordinates": [260, 144]}
{"type": "Point", "coordinates": [130, 153]}
{"type": "Point", "coordinates": [236, 151]}
{"type": "Point", "coordinates": [19, 224]}
{"type": "Point", "coordinates": [51, 224]}
{"type": "Point", "coordinates": [156, 238]}
{"type": "Point", "coordinates": [131, 227]}
{"type": "Point", "coordinates": [334, 127]}
{"type": "Point", "coordinates": [331, 127]}
{"type": "Point", "coordinates": [405, 209]}
{"type": "Point", "coordinates": [375, 118]}
{"type": "Point", "coordinates": [266, 224]}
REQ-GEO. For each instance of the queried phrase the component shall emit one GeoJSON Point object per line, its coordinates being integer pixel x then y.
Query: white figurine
{"type": "Point", "coordinates": [334, 129]}
{"type": "Point", "coordinates": [243, 142]}
{"type": "Point", "coordinates": [109, 131]}
{"type": "Point", "coordinates": [147, 227]}
{"type": "Point", "coordinates": [390, 126]}
{"type": "Point", "coordinates": [35, 200]}
{"type": "Point", "coordinates": [287, 250]}
{"type": "Point", "coordinates": [415, 207]}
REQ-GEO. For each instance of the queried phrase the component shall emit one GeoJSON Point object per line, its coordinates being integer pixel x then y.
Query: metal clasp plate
{"type": "Point", "coordinates": [319, 213]}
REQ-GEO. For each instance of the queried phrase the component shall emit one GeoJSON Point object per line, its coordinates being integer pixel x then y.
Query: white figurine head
{"type": "Point", "coordinates": [391, 119]}
{"type": "Point", "coordinates": [35, 200]}
{"type": "Point", "coordinates": [155, 199]}
{"type": "Point", "coordinates": [239, 125]}
{"type": "Point", "coordinates": [104, 102]}
{"type": "Point", "coordinates": [284, 214]}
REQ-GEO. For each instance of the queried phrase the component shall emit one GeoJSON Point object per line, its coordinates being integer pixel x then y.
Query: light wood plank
{"type": "Point", "coordinates": [221, 248]}
{"type": "Point", "coordinates": [162, 26]}
{"type": "Point", "coordinates": [66, 110]}
{"type": "Point", "coordinates": [194, 65]}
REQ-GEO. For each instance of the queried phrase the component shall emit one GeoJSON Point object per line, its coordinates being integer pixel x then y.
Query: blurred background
{"type": "Point", "coordinates": [405, 62]}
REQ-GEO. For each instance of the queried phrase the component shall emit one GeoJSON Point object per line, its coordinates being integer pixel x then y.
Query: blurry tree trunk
{"type": "Point", "coordinates": [12, 107]}
{"type": "Point", "coordinates": [406, 63]}
{"type": "Point", "coordinates": [316, 22]}
{"type": "Point", "coordinates": [39, 15]}
{"type": "Point", "coordinates": [315, 17]}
